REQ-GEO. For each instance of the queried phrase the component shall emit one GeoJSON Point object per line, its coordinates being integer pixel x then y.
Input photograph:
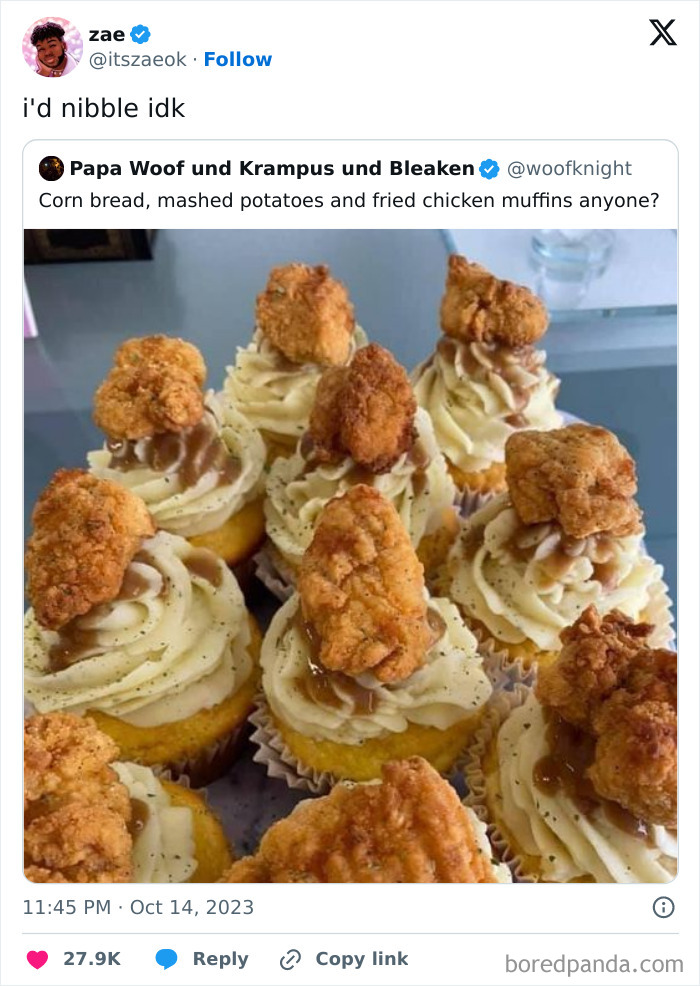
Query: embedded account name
{"type": "Point", "coordinates": [296, 170]}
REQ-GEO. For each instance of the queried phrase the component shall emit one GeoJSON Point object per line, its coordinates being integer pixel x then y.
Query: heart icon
{"type": "Point", "coordinates": [37, 959]}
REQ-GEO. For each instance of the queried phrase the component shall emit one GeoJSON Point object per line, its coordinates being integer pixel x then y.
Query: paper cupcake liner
{"type": "Point", "coordinates": [504, 673]}
{"type": "Point", "coordinates": [500, 707]}
{"type": "Point", "coordinates": [208, 764]}
{"type": "Point", "coordinates": [282, 764]}
{"type": "Point", "coordinates": [659, 612]}
{"type": "Point", "coordinates": [270, 570]}
{"type": "Point", "coordinates": [468, 501]}
{"type": "Point", "coordinates": [279, 760]}
{"type": "Point", "coordinates": [163, 774]}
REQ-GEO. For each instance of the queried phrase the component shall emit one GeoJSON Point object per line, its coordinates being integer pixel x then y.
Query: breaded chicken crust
{"type": "Point", "coordinates": [86, 531]}
{"type": "Point", "coordinates": [595, 658]}
{"type": "Point", "coordinates": [636, 761]}
{"type": "Point", "coordinates": [365, 410]}
{"type": "Point", "coordinates": [361, 589]}
{"type": "Point", "coordinates": [307, 315]}
{"type": "Point", "coordinates": [580, 476]}
{"type": "Point", "coordinates": [147, 399]}
{"type": "Point", "coordinates": [607, 682]}
{"type": "Point", "coordinates": [479, 307]}
{"type": "Point", "coordinates": [76, 810]}
{"type": "Point", "coordinates": [166, 350]}
{"type": "Point", "coordinates": [411, 828]}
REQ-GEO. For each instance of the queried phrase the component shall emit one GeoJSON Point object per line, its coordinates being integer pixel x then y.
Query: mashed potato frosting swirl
{"type": "Point", "coordinates": [418, 485]}
{"type": "Point", "coordinates": [451, 685]}
{"type": "Point", "coordinates": [163, 849]}
{"type": "Point", "coordinates": [569, 843]}
{"type": "Point", "coordinates": [173, 642]}
{"type": "Point", "coordinates": [275, 394]}
{"type": "Point", "coordinates": [530, 582]}
{"type": "Point", "coordinates": [478, 395]}
{"type": "Point", "coordinates": [191, 481]}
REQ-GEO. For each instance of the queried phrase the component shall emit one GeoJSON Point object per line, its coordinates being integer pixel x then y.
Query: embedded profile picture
{"type": "Point", "coordinates": [52, 47]}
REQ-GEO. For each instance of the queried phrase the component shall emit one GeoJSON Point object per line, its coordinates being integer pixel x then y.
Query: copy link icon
{"type": "Point", "coordinates": [663, 907]}
{"type": "Point", "coordinates": [291, 959]}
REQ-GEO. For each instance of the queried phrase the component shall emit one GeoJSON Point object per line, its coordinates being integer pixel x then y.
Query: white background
{"type": "Point", "coordinates": [442, 71]}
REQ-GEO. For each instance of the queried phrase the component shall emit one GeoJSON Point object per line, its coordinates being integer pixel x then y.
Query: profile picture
{"type": "Point", "coordinates": [52, 47]}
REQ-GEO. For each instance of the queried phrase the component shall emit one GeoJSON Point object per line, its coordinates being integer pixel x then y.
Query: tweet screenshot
{"type": "Point", "coordinates": [349, 517]}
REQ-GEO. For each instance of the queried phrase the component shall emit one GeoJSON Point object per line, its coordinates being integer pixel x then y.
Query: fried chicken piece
{"type": "Point", "coordinates": [324, 420]}
{"type": "Point", "coordinates": [580, 476]}
{"type": "Point", "coordinates": [76, 810]}
{"type": "Point", "coordinates": [361, 589]}
{"type": "Point", "coordinates": [81, 844]}
{"type": "Point", "coordinates": [636, 757]}
{"type": "Point", "coordinates": [595, 658]}
{"type": "Point", "coordinates": [307, 315]}
{"type": "Point", "coordinates": [86, 531]}
{"type": "Point", "coordinates": [147, 399]}
{"type": "Point", "coordinates": [167, 350]}
{"type": "Point", "coordinates": [411, 828]}
{"type": "Point", "coordinates": [478, 307]}
{"type": "Point", "coordinates": [366, 411]}
{"type": "Point", "coordinates": [611, 685]}
{"type": "Point", "coordinates": [64, 751]}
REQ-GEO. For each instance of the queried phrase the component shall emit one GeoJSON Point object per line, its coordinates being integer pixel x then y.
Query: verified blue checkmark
{"type": "Point", "coordinates": [489, 168]}
{"type": "Point", "coordinates": [140, 34]}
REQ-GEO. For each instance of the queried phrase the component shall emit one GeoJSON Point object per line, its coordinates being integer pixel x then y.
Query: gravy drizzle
{"type": "Point", "coordinates": [564, 769]}
{"type": "Point", "coordinates": [194, 451]}
{"type": "Point", "coordinates": [335, 688]}
{"type": "Point", "coordinates": [506, 362]}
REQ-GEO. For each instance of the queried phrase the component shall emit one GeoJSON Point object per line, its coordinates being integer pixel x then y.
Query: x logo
{"type": "Point", "coordinates": [662, 31]}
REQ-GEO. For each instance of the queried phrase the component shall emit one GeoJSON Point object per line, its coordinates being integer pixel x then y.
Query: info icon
{"type": "Point", "coordinates": [51, 168]}
{"type": "Point", "coordinates": [663, 907]}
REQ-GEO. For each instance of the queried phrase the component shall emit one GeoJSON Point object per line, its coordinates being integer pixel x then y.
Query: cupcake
{"type": "Point", "coordinates": [579, 777]}
{"type": "Point", "coordinates": [141, 631]}
{"type": "Point", "coordinates": [304, 324]}
{"type": "Point", "coordinates": [485, 380]}
{"type": "Point", "coordinates": [364, 428]}
{"type": "Point", "coordinates": [409, 828]}
{"type": "Point", "coordinates": [191, 457]}
{"type": "Point", "coordinates": [362, 666]}
{"type": "Point", "coordinates": [567, 533]}
{"type": "Point", "coordinates": [89, 818]}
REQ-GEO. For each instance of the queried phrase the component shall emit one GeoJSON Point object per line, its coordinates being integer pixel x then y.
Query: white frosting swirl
{"type": "Point", "coordinates": [500, 871]}
{"type": "Point", "coordinates": [475, 408]}
{"type": "Point", "coordinates": [529, 583]}
{"type": "Point", "coordinates": [275, 394]}
{"type": "Point", "coordinates": [207, 503]}
{"type": "Point", "coordinates": [295, 497]}
{"type": "Point", "coordinates": [568, 843]}
{"type": "Point", "coordinates": [175, 645]}
{"type": "Point", "coordinates": [164, 849]}
{"type": "Point", "coordinates": [448, 688]}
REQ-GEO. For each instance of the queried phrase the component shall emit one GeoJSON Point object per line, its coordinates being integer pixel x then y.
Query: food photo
{"type": "Point", "coordinates": [350, 556]}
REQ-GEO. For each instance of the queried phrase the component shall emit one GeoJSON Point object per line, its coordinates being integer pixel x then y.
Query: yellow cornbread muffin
{"type": "Point", "coordinates": [238, 537]}
{"type": "Point", "coordinates": [156, 645]}
{"type": "Point", "coordinates": [579, 776]}
{"type": "Point", "coordinates": [489, 480]}
{"type": "Point", "coordinates": [440, 747]}
{"type": "Point", "coordinates": [194, 460]}
{"type": "Point", "coordinates": [203, 745]}
{"type": "Point", "coordinates": [362, 666]}
{"type": "Point", "coordinates": [567, 533]}
{"type": "Point", "coordinates": [211, 847]}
